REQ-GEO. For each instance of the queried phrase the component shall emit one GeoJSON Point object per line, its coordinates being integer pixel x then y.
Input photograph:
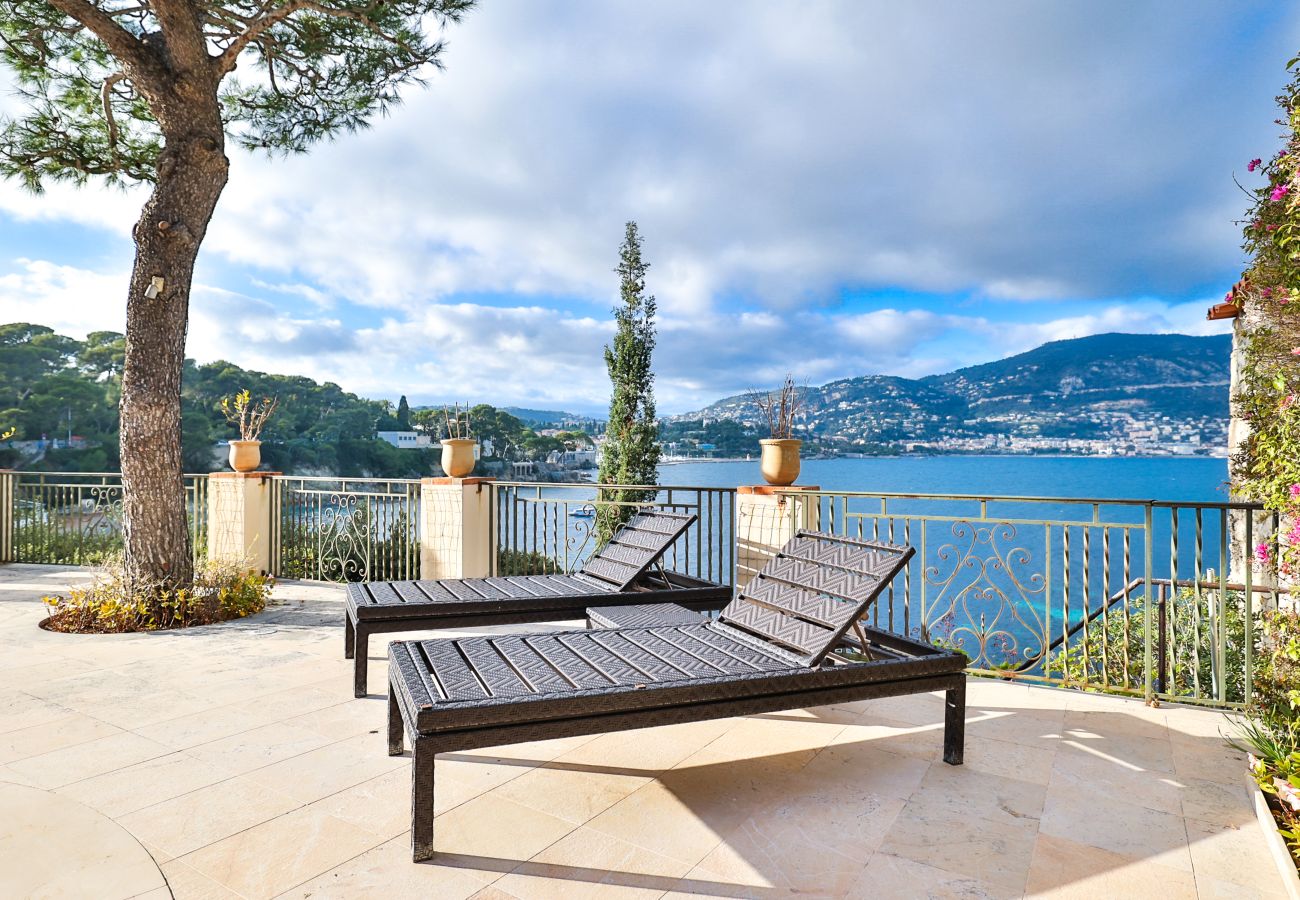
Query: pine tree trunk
{"type": "Point", "coordinates": [192, 172]}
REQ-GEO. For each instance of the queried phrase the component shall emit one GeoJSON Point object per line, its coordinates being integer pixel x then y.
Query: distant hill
{"type": "Point", "coordinates": [1122, 393]}
{"type": "Point", "coordinates": [541, 417]}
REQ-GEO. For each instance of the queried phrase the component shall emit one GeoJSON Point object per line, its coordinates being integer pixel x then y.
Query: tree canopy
{"type": "Point", "coordinates": [102, 78]}
{"type": "Point", "coordinates": [631, 450]}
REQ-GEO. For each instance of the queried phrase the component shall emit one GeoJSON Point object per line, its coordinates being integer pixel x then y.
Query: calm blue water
{"type": "Point", "coordinates": [1164, 478]}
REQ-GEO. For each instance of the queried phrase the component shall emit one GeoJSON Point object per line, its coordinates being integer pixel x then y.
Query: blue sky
{"type": "Point", "coordinates": [830, 189]}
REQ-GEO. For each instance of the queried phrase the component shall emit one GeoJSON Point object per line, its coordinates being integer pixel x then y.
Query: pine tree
{"type": "Point", "coordinates": [403, 414]}
{"type": "Point", "coordinates": [145, 92]}
{"type": "Point", "coordinates": [631, 448]}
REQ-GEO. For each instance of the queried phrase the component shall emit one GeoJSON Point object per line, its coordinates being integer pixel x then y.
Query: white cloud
{"type": "Point", "coordinates": [70, 300]}
{"type": "Point", "coordinates": [773, 156]}
{"type": "Point", "coordinates": [1019, 149]}
{"type": "Point", "coordinates": [531, 355]}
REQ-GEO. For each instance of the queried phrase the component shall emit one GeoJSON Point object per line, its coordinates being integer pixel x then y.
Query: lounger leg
{"type": "Point", "coordinates": [422, 801]}
{"type": "Point", "coordinates": [954, 724]}
{"type": "Point", "coordinates": [349, 638]}
{"type": "Point", "coordinates": [395, 726]}
{"type": "Point", "coordinates": [361, 647]}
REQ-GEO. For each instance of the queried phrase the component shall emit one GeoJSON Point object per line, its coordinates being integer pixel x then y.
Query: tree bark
{"type": "Point", "coordinates": [192, 172]}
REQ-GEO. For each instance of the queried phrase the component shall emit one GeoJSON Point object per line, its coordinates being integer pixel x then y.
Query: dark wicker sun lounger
{"type": "Point", "coordinates": [770, 649]}
{"type": "Point", "coordinates": [626, 569]}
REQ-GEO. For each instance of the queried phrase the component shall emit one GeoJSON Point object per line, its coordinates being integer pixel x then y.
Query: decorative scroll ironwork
{"type": "Point", "coordinates": [75, 518]}
{"type": "Point", "coordinates": [1072, 591]}
{"type": "Point", "coordinates": [987, 589]}
{"type": "Point", "coordinates": [345, 530]}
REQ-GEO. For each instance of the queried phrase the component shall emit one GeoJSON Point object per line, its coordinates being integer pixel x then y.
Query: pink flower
{"type": "Point", "coordinates": [1279, 192]}
{"type": "Point", "coordinates": [1265, 292]}
{"type": "Point", "coordinates": [1262, 553]}
{"type": "Point", "coordinates": [1295, 488]}
{"type": "Point", "coordinates": [1253, 165]}
{"type": "Point", "coordinates": [1295, 352]}
{"type": "Point", "coordinates": [1270, 228]}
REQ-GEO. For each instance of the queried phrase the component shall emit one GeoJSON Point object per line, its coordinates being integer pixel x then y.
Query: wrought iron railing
{"type": "Point", "coordinates": [345, 529]}
{"type": "Point", "coordinates": [553, 527]}
{"type": "Point", "coordinates": [1144, 597]}
{"type": "Point", "coordinates": [75, 518]}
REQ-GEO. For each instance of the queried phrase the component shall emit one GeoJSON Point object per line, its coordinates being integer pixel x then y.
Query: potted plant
{"type": "Point", "coordinates": [249, 417]}
{"type": "Point", "coordinates": [458, 445]}
{"type": "Point", "coordinates": [780, 457]}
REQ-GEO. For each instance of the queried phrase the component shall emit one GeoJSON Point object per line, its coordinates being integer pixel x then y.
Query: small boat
{"type": "Point", "coordinates": [584, 512]}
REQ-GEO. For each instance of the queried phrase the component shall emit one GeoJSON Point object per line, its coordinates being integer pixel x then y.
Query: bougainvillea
{"type": "Point", "coordinates": [1266, 468]}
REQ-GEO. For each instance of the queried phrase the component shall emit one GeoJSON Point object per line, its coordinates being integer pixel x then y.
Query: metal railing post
{"type": "Point", "coordinates": [1148, 660]}
{"type": "Point", "coordinates": [7, 510]}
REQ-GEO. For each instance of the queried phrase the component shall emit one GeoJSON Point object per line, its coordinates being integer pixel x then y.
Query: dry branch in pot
{"type": "Point", "coordinates": [782, 407]}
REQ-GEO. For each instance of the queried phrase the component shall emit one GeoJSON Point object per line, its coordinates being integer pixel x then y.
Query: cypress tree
{"type": "Point", "coordinates": [631, 449]}
{"type": "Point", "coordinates": [404, 414]}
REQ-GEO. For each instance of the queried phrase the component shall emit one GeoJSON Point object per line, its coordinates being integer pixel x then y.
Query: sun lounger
{"type": "Point", "coordinates": [626, 569]}
{"type": "Point", "coordinates": [791, 639]}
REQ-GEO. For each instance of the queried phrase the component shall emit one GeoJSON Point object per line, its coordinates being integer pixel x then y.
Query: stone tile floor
{"type": "Point", "coordinates": [232, 761]}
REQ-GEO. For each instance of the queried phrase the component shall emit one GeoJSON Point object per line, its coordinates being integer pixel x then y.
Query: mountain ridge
{"type": "Point", "coordinates": [1106, 393]}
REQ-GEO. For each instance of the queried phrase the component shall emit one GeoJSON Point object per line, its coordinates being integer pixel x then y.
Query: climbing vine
{"type": "Point", "coordinates": [1266, 467]}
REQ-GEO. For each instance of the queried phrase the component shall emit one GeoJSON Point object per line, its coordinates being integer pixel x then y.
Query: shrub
{"type": "Point", "coordinates": [1115, 652]}
{"type": "Point", "coordinates": [1271, 733]}
{"type": "Point", "coordinates": [525, 562]}
{"type": "Point", "coordinates": [114, 603]}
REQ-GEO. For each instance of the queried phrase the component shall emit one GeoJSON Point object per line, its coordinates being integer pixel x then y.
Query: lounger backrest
{"type": "Point", "coordinates": [813, 590]}
{"type": "Point", "coordinates": [636, 546]}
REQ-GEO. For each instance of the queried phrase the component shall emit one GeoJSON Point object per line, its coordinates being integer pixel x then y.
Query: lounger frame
{"type": "Point", "coordinates": [924, 669]}
{"type": "Point", "coordinates": [627, 568]}
{"type": "Point", "coordinates": [663, 587]}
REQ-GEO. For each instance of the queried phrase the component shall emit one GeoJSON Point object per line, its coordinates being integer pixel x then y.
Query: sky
{"type": "Point", "coordinates": [828, 189]}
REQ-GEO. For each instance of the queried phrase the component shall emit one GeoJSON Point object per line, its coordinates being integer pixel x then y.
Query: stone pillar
{"type": "Point", "coordinates": [765, 522]}
{"type": "Point", "coordinates": [455, 527]}
{"type": "Point", "coordinates": [239, 518]}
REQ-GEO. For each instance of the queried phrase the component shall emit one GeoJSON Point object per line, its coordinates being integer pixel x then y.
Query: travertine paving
{"type": "Point", "coordinates": [231, 761]}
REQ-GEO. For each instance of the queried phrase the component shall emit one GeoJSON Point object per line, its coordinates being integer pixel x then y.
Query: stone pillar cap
{"type": "Point", "coordinates": [768, 490]}
{"type": "Point", "coordinates": [446, 480]}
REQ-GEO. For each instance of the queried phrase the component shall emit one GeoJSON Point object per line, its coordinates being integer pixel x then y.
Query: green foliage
{"type": "Point", "coordinates": [728, 437]}
{"type": "Point", "coordinates": [1271, 733]}
{"type": "Point", "coordinates": [631, 450]}
{"type": "Point", "coordinates": [525, 562]}
{"type": "Point", "coordinates": [1267, 467]}
{"type": "Point", "coordinates": [90, 88]}
{"type": "Point", "coordinates": [317, 428]}
{"type": "Point", "coordinates": [115, 603]}
{"type": "Point", "coordinates": [1114, 652]}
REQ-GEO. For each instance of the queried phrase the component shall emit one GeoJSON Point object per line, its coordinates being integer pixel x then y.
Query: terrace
{"type": "Point", "coordinates": [231, 760]}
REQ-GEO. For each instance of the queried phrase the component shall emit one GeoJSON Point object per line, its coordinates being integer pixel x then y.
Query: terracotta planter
{"type": "Point", "coordinates": [780, 460]}
{"type": "Point", "coordinates": [245, 456]}
{"type": "Point", "coordinates": [458, 456]}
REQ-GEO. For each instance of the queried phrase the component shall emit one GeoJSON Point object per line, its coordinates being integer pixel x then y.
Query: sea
{"type": "Point", "coordinates": [1201, 479]}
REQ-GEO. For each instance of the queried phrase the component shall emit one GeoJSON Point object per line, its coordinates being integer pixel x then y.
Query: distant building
{"type": "Point", "coordinates": [572, 459]}
{"type": "Point", "coordinates": [407, 440]}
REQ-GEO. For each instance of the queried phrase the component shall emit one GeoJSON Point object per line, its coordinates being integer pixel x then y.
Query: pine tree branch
{"type": "Point", "coordinates": [229, 57]}
{"type": "Point", "coordinates": [106, 97]}
{"type": "Point", "coordinates": [130, 50]}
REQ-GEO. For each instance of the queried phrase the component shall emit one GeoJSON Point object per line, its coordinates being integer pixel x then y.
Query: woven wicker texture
{"type": "Point", "coordinates": [636, 547]}
{"type": "Point", "coordinates": [643, 615]}
{"type": "Point", "coordinates": [813, 590]}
